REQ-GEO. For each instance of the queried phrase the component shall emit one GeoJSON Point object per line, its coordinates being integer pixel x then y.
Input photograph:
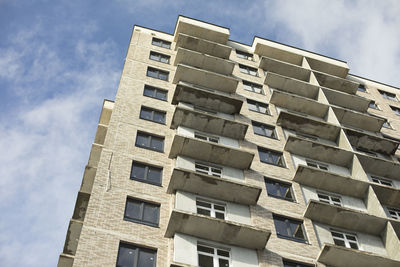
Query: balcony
{"type": "Point", "coordinates": [217, 230]}
{"type": "Point", "coordinates": [290, 85]}
{"type": "Point", "coordinates": [285, 69]}
{"type": "Point", "coordinates": [334, 68]}
{"type": "Point", "coordinates": [336, 83]}
{"type": "Point", "coordinates": [205, 78]}
{"type": "Point", "coordinates": [368, 142]}
{"type": "Point", "coordinates": [206, 98]}
{"type": "Point", "coordinates": [358, 120]}
{"type": "Point", "coordinates": [201, 30]}
{"type": "Point", "coordinates": [208, 123]}
{"type": "Point", "coordinates": [387, 195]}
{"type": "Point", "coordinates": [345, 218]}
{"type": "Point", "coordinates": [299, 104]}
{"type": "Point", "coordinates": [318, 151]}
{"type": "Point", "coordinates": [337, 256]}
{"type": "Point", "coordinates": [380, 167]}
{"type": "Point", "coordinates": [353, 102]}
{"type": "Point", "coordinates": [277, 51]}
{"type": "Point", "coordinates": [203, 46]}
{"type": "Point", "coordinates": [204, 61]}
{"type": "Point", "coordinates": [210, 152]}
{"type": "Point", "coordinates": [213, 186]}
{"type": "Point", "coordinates": [329, 181]}
{"type": "Point", "coordinates": [308, 125]}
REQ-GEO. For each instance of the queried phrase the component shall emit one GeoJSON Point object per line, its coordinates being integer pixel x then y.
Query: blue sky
{"type": "Point", "coordinates": [60, 59]}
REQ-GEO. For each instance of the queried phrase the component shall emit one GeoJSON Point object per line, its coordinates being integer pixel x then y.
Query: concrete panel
{"type": "Point", "coordinates": [203, 46]}
{"type": "Point", "coordinates": [94, 156]}
{"type": "Point", "coordinates": [204, 61]}
{"type": "Point", "coordinates": [208, 123]}
{"type": "Point", "coordinates": [343, 142]}
{"type": "Point", "coordinates": [205, 78]}
{"type": "Point", "coordinates": [370, 142]}
{"type": "Point", "coordinates": [65, 261]}
{"type": "Point", "coordinates": [308, 125]}
{"type": "Point", "coordinates": [81, 205]}
{"type": "Point", "coordinates": [386, 195]}
{"type": "Point", "coordinates": [359, 120]}
{"type": "Point", "coordinates": [88, 179]}
{"type": "Point", "coordinates": [227, 232]}
{"type": "Point", "coordinates": [326, 67]}
{"type": "Point", "coordinates": [285, 69]}
{"type": "Point", "coordinates": [185, 249]}
{"type": "Point", "coordinates": [72, 239]}
{"type": "Point", "coordinates": [208, 99]}
{"type": "Point", "coordinates": [212, 186]}
{"type": "Point", "coordinates": [336, 83]}
{"type": "Point", "coordinates": [337, 256]}
{"type": "Point", "coordinates": [341, 99]}
{"type": "Point", "coordinates": [210, 152]}
{"type": "Point", "coordinates": [106, 112]}
{"type": "Point", "coordinates": [392, 242]}
{"type": "Point", "coordinates": [100, 134]}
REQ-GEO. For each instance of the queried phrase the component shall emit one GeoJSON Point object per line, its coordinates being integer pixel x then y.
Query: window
{"type": "Point", "coordinates": [316, 164]}
{"type": "Point", "coordinates": [394, 213]}
{"type": "Point", "coordinates": [210, 209]}
{"type": "Point", "coordinates": [387, 125]}
{"type": "Point", "coordinates": [287, 263]}
{"type": "Point", "coordinates": [252, 87]}
{"type": "Point", "coordinates": [149, 141]}
{"type": "Point", "coordinates": [159, 57]}
{"type": "Point", "coordinates": [213, 257]}
{"type": "Point", "coordinates": [206, 137]}
{"type": "Point", "coordinates": [146, 173]}
{"type": "Point", "coordinates": [388, 95]}
{"type": "Point", "coordinates": [134, 256]}
{"type": "Point", "coordinates": [345, 239]}
{"type": "Point", "coordinates": [158, 74]}
{"type": "Point", "coordinates": [271, 157]}
{"type": "Point", "coordinates": [289, 228]}
{"type": "Point", "coordinates": [154, 92]}
{"type": "Point", "coordinates": [161, 43]}
{"type": "Point", "coordinates": [258, 106]}
{"type": "Point", "coordinates": [279, 189]}
{"type": "Point", "coordinates": [264, 129]}
{"type": "Point", "coordinates": [142, 212]}
{"type": "Point", "coordinates": [373, 105]}
{"type": "Point", "coordinates": [361, 88]}
{"type": "Point", "coordinates": [329, 198]}
{"type": "Point", "coordinates": [207, 169]}
{"type": "Point", "coordinates": [382, 181]}
{"type": "Point", "coordinates": [248, 70]}
{"type": "Point", "coordinates": [152, 115]}
{"type": "Point", "coordinates": [244, 55]}
{"type": "Point", "coordinates": [396, 110]}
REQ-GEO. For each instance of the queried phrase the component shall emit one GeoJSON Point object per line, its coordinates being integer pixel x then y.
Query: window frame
{"type": "Point", "coordinates": [143, 204]}
{"type": "Point", "coordinates": [147, 169]}
{"type": "Point", "coordinates": [329, 198]}
{"type": "Point", "coordinates": [163, 43]}
{"type": "Point", "coordinates": [155, 91]}
{"type": "Point", "coordinates": [287, 221]}
{"type": "Point", "coordinates": [258, 105]}
{"type": "Point", "coordinates": [380, 180]}
{"type": "Point", "coordinates": [213, 211]}
{"type": "Point", "coordinates": [150, 137]}
{"type": "Point", "coordinates": [158, 75]}
{"type": "Point", "coordinates": [248, 70]}
{"type": "Point", "coordinates": [325, 167]}
{"type": "Point", "coordinates": [209, 169]}
{"type": "Point", "coordinates": [244, 55]}
{"type": "Point", "coordinates": [206, 137]}
{"type": "Point", "coordinates": [363, 88]}
{"type": "Point", "coordinates": [264, 128]}
{"type": "Point", "coordinates": [153, 113]}
{"type": "Point", "coordinates": [138, 249]}
{"type": "Point", "coordinates": [387, 125]}
{"type": "Point", "coordinates": [388, 95]}
{"type": "Point", "coordinates": [281, 161]}
{"type": "Point", "coordinates": [372, 104]}
{"type": "Point", "coordinates": [345, 239]}
{"type": "Point", "coordinates": [156, 56]}
{"type": "Point", "coordinates": [396, 212]}
{"type": "Point", "coordinates": [253, 87]}
{"type": "Point", "coordinates": [280, 184]}
{"type": "Point", "coordinates": [294, 263]}
{"type": "Point", "coordinates": [215, 257]}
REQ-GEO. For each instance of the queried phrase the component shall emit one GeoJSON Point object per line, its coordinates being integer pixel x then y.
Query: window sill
{"type": "Point", "coordinates": [141, 222]}
{"type": "Point", "coordinates": [293, 239]}
{"type": "Point", "coordinates": [150, 148]}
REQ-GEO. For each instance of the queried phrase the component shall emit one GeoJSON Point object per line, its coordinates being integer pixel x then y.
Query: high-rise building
{"type": "Point", "coordinates": [217, 153]}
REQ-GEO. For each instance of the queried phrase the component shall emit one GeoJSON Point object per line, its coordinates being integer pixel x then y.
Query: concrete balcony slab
{"type": "Point", "coordinates": [285, 69]}
{"type": "Point", "coordinates": [380, 167]}
{"type": "Point", "coordinates": [218, 230]}
{"type": "Point", "coordinates": [336, 83]}
{"type": "Point", "coordinates": [213, 186]}
{"type": "Point", "coordinates": [340, 70]}
{"type": "Point", "coordinates": [345, 100]}
{"type": "Point", "coordinates": [359, 120]}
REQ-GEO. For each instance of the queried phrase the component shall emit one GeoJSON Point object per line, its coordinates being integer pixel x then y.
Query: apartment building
{"type": "Point", "coordinates": [217, 153]}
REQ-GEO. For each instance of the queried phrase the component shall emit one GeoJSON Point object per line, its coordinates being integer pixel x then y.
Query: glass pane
{"type": "Point", "coordinates": [350, 237]}
{"type": "Point", "coordinates": [339, 242]}
{"type": "Point", "coordinates": [133, 210]}
{"type": "Point", "coordinates": [138, 170]}
{"type": "Point", "coordinates": [223, 253]}
{"type": "Point", "coordinates": [203, 211]}
{"type": "Point", "coordinates": [218, 207]}
{"type": "Point", "coordinates": [154, 56]}
{"type": "Point", "coordinates": [262, 109]}
{"type": "Point", "coordinates": [147, 258]}
{"type": "Point", "coordinates": [150, 213]}
{"type": "Point", "coordinates": [163, 76]}
{"type": "Point", "coordinates": [273, 189]}
{"type": "Point", "coordinates": [203, 204]}
{"type": "Point", "coordinates": [157, 143]}
{"type": "Point", "coordinates": [159, 117]}
{"type": "Point", "coordinates": [142, 140]}
{"type": "Point", "coordinates": [148, 91]}
{"type": "Point", "coordinates": [223, 263]}
{"type": "Point", "coordinates": [258, 130]}
{"type": "Point", "coordinates": [154, 175]}
{"type": "Point", "coordinates": [337, 234]}
{"type": "Point", "coordinates": [145, 114]}
{"type": "Point", "coordinates": [220, 215]}
{"type": "Point", "coordinates": [257, 90]}
{"type": "Point", "coordinates": [321, 197]}
{"type": "Point", "coordinates": [280, 227]}
{"type": "Point", "coordinates": [205, 261]}
{"type": "Point", "coordinates": [126, 256]}
{"type": "Point", "coordinates": [353, 245]}
{"type": "Point", "coordinates": [152, 73]}
{"type": "Point", "coordinates": [161, 95]}
{"type": "Point", "coordinates": [164, 59]}
{"type": "Point", "coordinates": [205, 249]}
{"type": "Point", "coordinates": [252, 106]}
{"type": "Point", "coordinates": [253, 72]}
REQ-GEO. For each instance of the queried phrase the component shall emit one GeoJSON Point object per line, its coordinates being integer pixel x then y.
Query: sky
{"type": "Point", "coordinates": [60, 59]}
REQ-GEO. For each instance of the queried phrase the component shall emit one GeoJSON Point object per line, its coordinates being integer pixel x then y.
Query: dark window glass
{"type": "Point", "coordinates": [361, 88]}
{"type": "Point", "coordinates": [134, 256]}
{"type": "Point", "coordinates": [248, 70]}
{"type": "Point", "coordinates": [252, 87]}
{"type": "Point", "coordinates": [140, 211]}
{"type": "Point", "coordinates": [149, 141]}
{"type": "Point", "coordinates": [396, 110]}
{"type": "Point", "coordinates": [154, 92]}
{"type": "Point", "coordinates": [373, 105]}
{"type": "Point", "coordinates": [244, 55]}
{"type": "Point", "coordinates": [152, 115]}
{"type": "Point", "coordinates": [146, 173]}
{"type": "Point", "coordinates": [279, 189]}
{"type": "Point", "coordinates": [258, 106]}
{"type": "Point", "coordinates": [264, 129]}
{"type": "Point", "coordinates": [388, 95]}
{"type": "Point", "coordinates": [287, 263]}
{"type": "Point", "coordinates": [161, 43]}
{"type": "Point", "coordinates": [289, 228]}
{"type": "Point", "coordinates": [271, 157]}
{"type": "Point", "coordinates": [158, 74]}
{"type": "Point", "coordinates": [159, 57]}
